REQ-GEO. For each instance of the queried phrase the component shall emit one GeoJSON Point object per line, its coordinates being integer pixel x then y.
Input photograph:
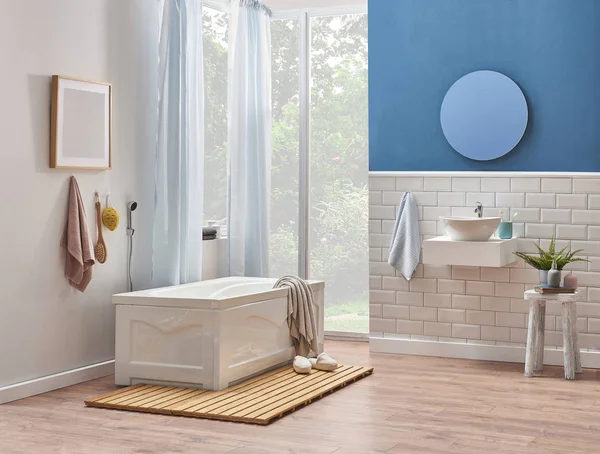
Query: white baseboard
{"type": "Point", "coordinates": [552, 357]}
{"type": "Point", "coordinates": [344, 336]}
{"type": "Point", "coordinates": [51, 382]}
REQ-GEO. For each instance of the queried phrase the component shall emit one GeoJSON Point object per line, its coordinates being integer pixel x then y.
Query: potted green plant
{"type": "Point", "coordinates": [543, 260]}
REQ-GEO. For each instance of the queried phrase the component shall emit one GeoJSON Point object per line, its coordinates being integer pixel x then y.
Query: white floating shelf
{"type": "Point", "coordinates": [492, 253]}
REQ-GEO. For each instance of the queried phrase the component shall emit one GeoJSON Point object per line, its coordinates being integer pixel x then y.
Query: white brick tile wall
{"type": "Point", "coordinates": [409, 298]}
{"type": "Point", "coordinates": [375, 282]}
{"type": "Point", "coordinates": [376, 310]}
{"type": "Point", "coordinates": [428, 227]}
{"type": "Point", "coordinates": [593, 202]}
{"type": "Point", "coordinates": [472, 302]}
{"type": "Point", "coordinates": [557, 185]}
{"type": "Point", "coordinates": [571, 232]}
{"type": "Point", "coordinates": [423, 313]}
{"type": "Point", "coordinates": [382, 212]}
{"type": "Point", "coordinates": [487, 199]}
{"type": "Point", "coordinates": [423, 285]}
{"type": "Point", "coordinates": [466, 272]}
{"type": "Point", "coordinates": [589, 247]}
{"type": "Point", "coordinates": [438, 184]}
{"type": "Point", "coordinates": [550, 215]}
{"type": "Point", "coordinates": [518, 305]}
{"type": "Point", "coordinates": [586, 185]}
{"type": "Point", "coordinates": [382, 296]}
{"type": "Point", "coordinates": [382, 183]}
{"type": "Point", "coordinates": [387, 226]}
{"type": "Point", "coordinates": [495, 304]}
{"type": "Point", "coordinates": [437, 300]}
{"type": "Point", "coordinates": [577, 201]}
{"type": "Point", "coordinates": [451, 315]}
{"type": "Point", "coordinates": [455, 287]}
{"type": "Point", "coordinates": [437, 271]}
{"type": "Point", "coordinates": [381, 269]}
{"type": "Point", "coordinates": [518, 335]}
{"type": "Point", "coordinates": [495, 184]}
{"type": "Point", "coordinates": [495, 333]}
{"type": "Point", "coordinates": [409, 327]}
{"type": "Point", "coordinates": [451, 199]}
{"type": "Point", "coordinates": [466, 331]}
{"type": "Point", "coordinates": [509, 290]}
{"type": "Point", "coordinates": [392, 198]}
{"type": "Point", "coordinates": [382, 325]}
{"type": "Point", "coordinates": [374, 226]}
{"type": "Point", "coordinates": [525, 185]}
{"type": "Point", "coordinates": [586, 217]}
{"type": "Point", "coordinates": [510, 319]}
{"type": "Point", "coordinates": [593, 232]}
{"type": "Point", "coordinates": [510, 200]}
{"type": "Point", "coordinates": [466, 184]}
{"type": "Point", "coordinates": [525, 214]}
{"type": "Point", "coordinates": [495, 274]}
{"type": "Point", "coordinates": [408, 184]}
{"type": "Point", "coordinates": [543, 200]}
{"type": "Point", "coordinates": [374, 254]}
{"type": "Point", "coordinates": [434, 213]}
{"type": "Point", "coordinates": [480, 288]}
{"type": "Point", "coordinates": [483, 306]}
{"type": "Point", "coordinates": [524, 276]}
{"type": "Point", "coordinates": [540, 230]}
{"type": "Point", "coordinates": [481, 318]}
{"type": "Point", "coordinates": [426, 198]}
{"type": "Point", "coordinates": [395, 283]}
{"type": "Point", "coordinates": [437, 329]}
{"type": "Point", "coordinates": [396, 311]}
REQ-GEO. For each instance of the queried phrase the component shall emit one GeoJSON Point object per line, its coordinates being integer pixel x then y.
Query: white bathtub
{"type": "Point", "coordinates": [209, 334]}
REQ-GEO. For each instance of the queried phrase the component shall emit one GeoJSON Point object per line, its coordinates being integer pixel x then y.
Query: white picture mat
{"type": "Point", "coordinates": [65, 85]}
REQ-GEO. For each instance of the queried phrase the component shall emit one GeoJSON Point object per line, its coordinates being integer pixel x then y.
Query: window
{"type": "Point", "coordinates": [339, 169]}
{"type": "Point", "coordinates": [319, 200]}
{"type": "Point", "coordinates": [334, 239]}
{"type": "Point", "coordinates": [215, 26]}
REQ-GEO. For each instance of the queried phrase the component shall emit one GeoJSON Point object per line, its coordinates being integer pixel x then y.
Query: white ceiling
{"type": "Point", "coordinates": [278, 5]}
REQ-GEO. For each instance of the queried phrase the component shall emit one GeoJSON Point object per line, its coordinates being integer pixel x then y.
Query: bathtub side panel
{"type": "Point", "coordinates": [254, 338]}
{"type": "Point", "coordinates": [164, 345]}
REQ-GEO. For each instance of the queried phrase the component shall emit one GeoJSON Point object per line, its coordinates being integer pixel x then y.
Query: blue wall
{"type": "Point", "coordinates": [419, 48]}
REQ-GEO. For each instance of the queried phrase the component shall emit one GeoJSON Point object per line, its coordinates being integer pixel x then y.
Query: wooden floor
{"type": "Point", "coordinates": [409, 405]}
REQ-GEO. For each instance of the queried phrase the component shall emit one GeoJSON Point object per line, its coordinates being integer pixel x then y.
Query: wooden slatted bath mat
{"type": "Point", "coordinates": [259, 401]}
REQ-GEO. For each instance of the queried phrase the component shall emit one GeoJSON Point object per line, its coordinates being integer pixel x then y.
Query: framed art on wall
{"type": "Point", "coordinates": [81, 124]}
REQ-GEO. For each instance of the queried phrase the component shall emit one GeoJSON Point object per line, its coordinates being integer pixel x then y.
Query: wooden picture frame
{"type": "Point", "coordinates": [81, 124]}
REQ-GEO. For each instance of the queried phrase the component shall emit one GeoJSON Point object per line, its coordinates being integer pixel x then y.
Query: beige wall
{"type": "Point", "coordinates": [45, 326]}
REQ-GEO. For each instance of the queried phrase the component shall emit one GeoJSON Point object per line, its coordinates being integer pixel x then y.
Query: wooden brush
{"type": "Point", "coordinates": [100, 248]}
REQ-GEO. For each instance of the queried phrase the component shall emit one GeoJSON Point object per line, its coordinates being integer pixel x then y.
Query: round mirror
{"type": "Point", "coordinates": [484, 115]}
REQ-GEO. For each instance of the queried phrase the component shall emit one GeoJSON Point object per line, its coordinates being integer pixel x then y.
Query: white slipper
{"type": "Point", "coordinates": [323, 362]}
{"type": "Point", "coordinates": [302, 365]}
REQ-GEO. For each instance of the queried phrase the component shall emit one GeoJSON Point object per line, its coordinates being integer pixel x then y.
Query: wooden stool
{"type": "Point", "coordinates": [534, 357]}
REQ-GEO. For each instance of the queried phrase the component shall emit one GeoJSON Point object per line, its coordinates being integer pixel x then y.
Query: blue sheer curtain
{"type": "Point", "coordinates": [178, 198]}
{"type": "Point", "coordinates": [249, 125]}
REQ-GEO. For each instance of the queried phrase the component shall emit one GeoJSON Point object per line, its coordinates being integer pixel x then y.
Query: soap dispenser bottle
{"type": "Point", "coordinates": [554, 276]}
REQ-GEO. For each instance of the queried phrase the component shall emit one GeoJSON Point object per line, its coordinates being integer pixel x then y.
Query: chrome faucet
{"type": "Point", "coordinates": [479, 210]}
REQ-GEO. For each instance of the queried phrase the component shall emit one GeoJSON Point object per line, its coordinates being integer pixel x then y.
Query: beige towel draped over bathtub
{"type": "Point", "coordinates": [77, 241]}
{"type": "Point", "coordinates": [301, 315]}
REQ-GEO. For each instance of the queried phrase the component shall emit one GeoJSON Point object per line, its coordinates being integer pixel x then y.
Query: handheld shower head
{"type": "Point", "coordinates": [131, 206]}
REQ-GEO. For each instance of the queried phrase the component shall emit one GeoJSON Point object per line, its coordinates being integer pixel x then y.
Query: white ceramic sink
{"type": "Point", "coordinates": [470, 229]}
